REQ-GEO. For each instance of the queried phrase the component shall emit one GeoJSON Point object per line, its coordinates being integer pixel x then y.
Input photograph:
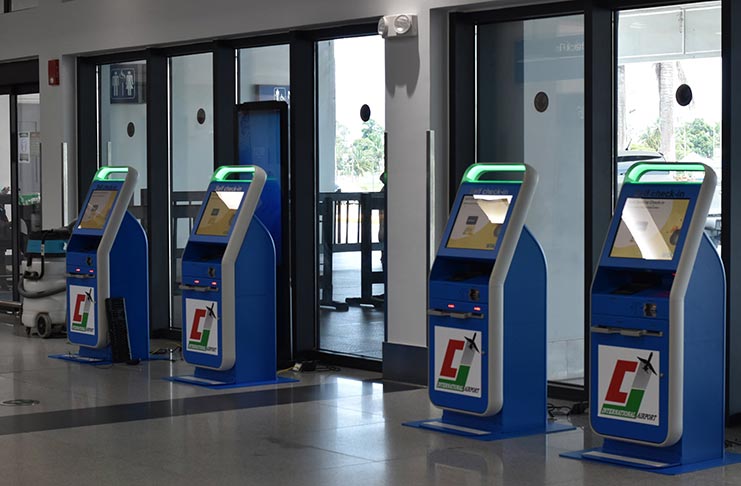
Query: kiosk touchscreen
{"type": "Point", "coordinates": [107, 257]}
{"type": "Point", "coordinates": [228, 286]}
{"type": "Point", "coordinates": [487, 311]}
{"type": "Point", "coordinates": [658, 327]}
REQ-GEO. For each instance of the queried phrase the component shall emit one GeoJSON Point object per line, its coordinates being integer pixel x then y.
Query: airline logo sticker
{"type": "Point", "coordinates": [458, 361]}
{"type": "Point", "coordinates": [629, 384]}
{"type": "Point", "coordinates": [202, 331]}
{"type": "Point", "coordinates": [82, 309]}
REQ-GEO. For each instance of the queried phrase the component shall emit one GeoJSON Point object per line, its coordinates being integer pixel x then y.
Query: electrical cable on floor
{"type": "Point", "coordinates": [732, 443]}
{"type": "Point", "coordinates": [168, 351]}
{"type": "Point", "coordinates": [311, 366]}
{"type": "Point", "coordinates": [577, 408]}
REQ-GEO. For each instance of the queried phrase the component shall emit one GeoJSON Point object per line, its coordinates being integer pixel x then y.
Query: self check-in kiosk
{"type": "Point", "coordinates": [657, 352]}
{"type": "Point", "coordinates": [107, 257]}
{"type": "Point", "coordinates": [228, 286]}
{"type": "Point", "coordinates": [487, 311]}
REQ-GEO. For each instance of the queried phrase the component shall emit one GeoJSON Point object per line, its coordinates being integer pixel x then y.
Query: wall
{"type": "Point", "coordinates": [415, 98]}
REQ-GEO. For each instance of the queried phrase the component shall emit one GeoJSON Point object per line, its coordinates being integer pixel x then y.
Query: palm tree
{"type": "Point", "coordinates": [665, 78]}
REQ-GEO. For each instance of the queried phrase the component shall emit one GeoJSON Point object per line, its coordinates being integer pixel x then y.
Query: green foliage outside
{"type": "Point", "coordinates": [361, 156]}
{"type": "Point", "coordinates": [697, 136]}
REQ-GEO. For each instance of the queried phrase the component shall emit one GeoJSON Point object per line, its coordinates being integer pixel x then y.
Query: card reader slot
{"type": "Point", "coordinates": [455, 315]}
{"type": "Point", "coordinates": [198, 288]}
{"type": "Point", "coordinates": [627, 332]}
{"type": "Point", "coordinates": [80, 275]}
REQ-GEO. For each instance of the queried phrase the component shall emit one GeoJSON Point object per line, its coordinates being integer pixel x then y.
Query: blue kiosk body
{"type": "Point", "coordinates": [658, 328]}
{"type": "Point", "coordinates": [487, 311]}
{"type": "Point", "coordinates": [228, 284]}
{"type": "Point", "coordinates": [107, 257]}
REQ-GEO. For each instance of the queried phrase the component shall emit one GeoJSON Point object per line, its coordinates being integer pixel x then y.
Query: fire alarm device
{"type": "Point", "coordinates": [53, 72]}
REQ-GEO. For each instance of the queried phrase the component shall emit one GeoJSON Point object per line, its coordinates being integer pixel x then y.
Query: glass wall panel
{"type": "Point", "coordinates": [123, 121]}
{"type": "Point", "coordinates": [191, 152]}
{"type": "Point", "coordinates": [530, 107]}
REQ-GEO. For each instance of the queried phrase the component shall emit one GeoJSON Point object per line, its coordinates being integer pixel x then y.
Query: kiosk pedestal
{"type": "Point", "coordinates": [228, 286]}
{"type": "Point", "coordinates": [658, 328]}
{"type": "Point", "coordinates": [107, 257]}
{"type": "Point", "coordinates": [487, 312]}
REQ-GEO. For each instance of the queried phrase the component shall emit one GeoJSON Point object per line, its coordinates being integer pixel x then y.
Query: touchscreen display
{"type": "Point", "coordinates": [479, 221]}
{"type": "Point", "coordinates": [219, 214]}
{"type": "Point", "coordinates": [97, 209]}
{"type": "Point", "coordinates": [649, 228]}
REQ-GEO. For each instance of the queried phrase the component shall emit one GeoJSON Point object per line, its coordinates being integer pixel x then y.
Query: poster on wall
{"type": "Point", "coordinates": [127, 83]}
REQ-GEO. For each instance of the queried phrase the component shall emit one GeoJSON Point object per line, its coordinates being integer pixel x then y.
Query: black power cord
{"type": "Point", "coordinates": [577, 408]}
{"type": "Point", "coordinates": [732, 443]}
{"type": "Point", "coordinates": [312, 366]}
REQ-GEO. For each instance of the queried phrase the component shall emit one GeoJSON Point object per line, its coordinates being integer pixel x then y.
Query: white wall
{"type": "Point", "coordinates": [415, 97]}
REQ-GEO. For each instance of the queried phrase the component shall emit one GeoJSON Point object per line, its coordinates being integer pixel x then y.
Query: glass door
{"type": "Point", "coordinates": [530, 108]}
{"type": "Point", "coordinates": [351, 195]}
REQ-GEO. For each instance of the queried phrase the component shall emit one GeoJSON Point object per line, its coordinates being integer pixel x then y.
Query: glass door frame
{"type": "Point", "coordinates": [600, 81]}
{"type": "Point", "coordinates": [157, 212]}
{"type": "Point", "coordinates": [463, 127]}
{"type": "Point", "coordinates": [304, 172]}
{"type": "Point", "coordinates": [604, 28]}
{"type": "Point", "coordinates": [16, 79]}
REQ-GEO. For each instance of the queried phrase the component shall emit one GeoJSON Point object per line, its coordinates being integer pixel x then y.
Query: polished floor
{"type": "Point", "coordinates": [122, 425]}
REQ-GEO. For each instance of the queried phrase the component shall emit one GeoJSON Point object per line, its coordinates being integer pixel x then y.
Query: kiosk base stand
{"type": "Point", "coordinates": [658, 465]}
{"type": "Point", "coordinates": [229, 287]}
{"type": "Point", "coordinates": [220, 385]}
{"type": "Point", "coordinates": [88, 356]}
{"type": "Point", "coordinates": [482, 429]}
{"type": "Point", "coordinates": [666, 414]}
{"type": "Point", "coordinates": [221, 380]}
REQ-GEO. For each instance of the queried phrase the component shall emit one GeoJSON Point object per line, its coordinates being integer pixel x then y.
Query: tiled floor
{"type": "Point", "coordinates": [328, 429]}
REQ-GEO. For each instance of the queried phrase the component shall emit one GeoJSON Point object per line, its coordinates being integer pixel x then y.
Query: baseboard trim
{"type": "Point", "coordinates": [405, 363]}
